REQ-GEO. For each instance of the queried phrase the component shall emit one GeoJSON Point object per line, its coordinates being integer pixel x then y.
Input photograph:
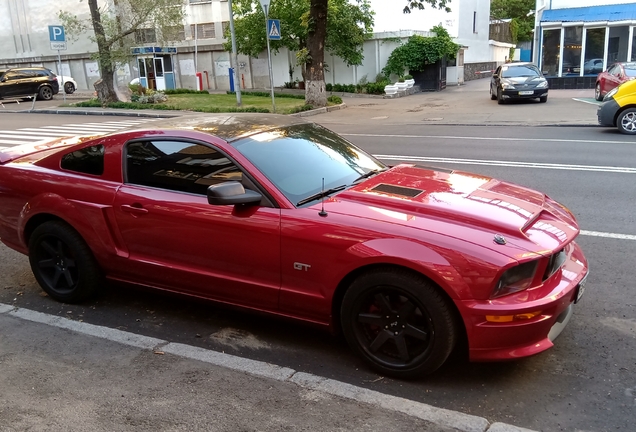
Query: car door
{"type": "Point", "coordinates": [611, 78]}
{"type": "Point", "coordinates": [11, 84]}
{"type": "Point", "coordinates": [176, 240]}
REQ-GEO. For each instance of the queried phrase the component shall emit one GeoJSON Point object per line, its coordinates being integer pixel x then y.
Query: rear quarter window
{"type": "Point", "coordinates": [89, 160]}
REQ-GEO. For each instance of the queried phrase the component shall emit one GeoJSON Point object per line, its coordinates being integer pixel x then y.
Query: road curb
{"type": "Point", "coordinates": [317, 111]}
{"type": "Point", "coordinates": [439, 416]}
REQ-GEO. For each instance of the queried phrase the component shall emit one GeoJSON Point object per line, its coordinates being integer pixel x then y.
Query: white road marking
{"type": "Point", "coordinates": [22, 132]}
{"type": "Point", "coordinates": [439, 416]}
{"type": "Point", "coordinates": [608, 235]}
{"type": "Point", "coordinates": [587, 102]}
{"type": "Point", "coordinates": [622, 170]}
{"type": "Point", "coordinates": [491, 138]}
{"type": "Point", "coordinates": [12, 142]}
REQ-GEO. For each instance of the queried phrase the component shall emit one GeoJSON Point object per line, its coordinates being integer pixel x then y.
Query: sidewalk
{"type": "Point", "coordinates": [469, 104]}
{"type": "Point", "coordinates": [59, 374]}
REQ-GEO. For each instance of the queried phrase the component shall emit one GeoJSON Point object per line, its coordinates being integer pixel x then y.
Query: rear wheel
{"type": "Point", "coordinates": [62, 262]}
{"type": "Point", "coordinates": [399, 323]}
{"type": "Point", "coordinates": [69, 87]}
{"type": "Point", "coordinates": [597, 92]}
{"type": "Point", "coordinates": [45, 93]}
{"type": "Point", "coordinates": [626, 121]}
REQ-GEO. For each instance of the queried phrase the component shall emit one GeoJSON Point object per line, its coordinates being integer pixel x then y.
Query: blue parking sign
{"type": "Point", "coordinates": [56, 33]}
{"type": "Point", "coordinates": [273, 29]}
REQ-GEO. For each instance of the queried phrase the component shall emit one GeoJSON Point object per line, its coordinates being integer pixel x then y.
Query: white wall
{"type": "Point", "coordinates": [475, 39]}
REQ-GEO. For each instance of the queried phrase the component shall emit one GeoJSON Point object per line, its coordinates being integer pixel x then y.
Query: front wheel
{"type": "Point", "coordinates": [597, 92]}
{"type": "Point", "coordinates": [626, 121]}
{"type": "Point", "coordinates": [543, 99]}
{"type": "Point", "coordinates": [399, 323]}
{"type": "Point", "coordinates": [500, 100]}
{"type": "Point", "coordinates": [62, 262]}
{"type": "Point", "coordinates": [492, 96]}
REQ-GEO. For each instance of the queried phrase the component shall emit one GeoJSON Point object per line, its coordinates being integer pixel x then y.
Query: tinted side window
{"type": "Point", "coordinates": [177, 165]}
{"type": "Point", "coordinates": [89, 160]}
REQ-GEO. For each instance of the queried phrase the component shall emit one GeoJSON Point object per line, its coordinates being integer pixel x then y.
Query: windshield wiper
{"type": "Point", "coordinates": [320, 194]}
{"type": "Point", "coordinates": [369, 174]}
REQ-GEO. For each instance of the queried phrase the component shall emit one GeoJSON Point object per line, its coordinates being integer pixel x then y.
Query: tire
{"type": "Point", "coordinates": [492, 96]}
{"type": "Point", "coordinates": [626, 121]}
{"type": "Point", "coordinates": [62, 263]}
{"type": "Point", "coordinates": [597, 92]}
{"type": "Point", "coordinates": [400, 324]}
{"type": "Point", "coordinates": [500, 100]}
{"type": "Point", "coordinates": [543, 99]}
{"type": "Point", "coordinates": [45, 93]}
{"type": "Point", "coordinates": [69, 87]}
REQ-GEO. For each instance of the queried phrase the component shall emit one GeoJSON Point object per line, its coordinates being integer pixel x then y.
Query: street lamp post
{"type": "Point", "coordinates": [265, 5]}
{"type": "Point", "coordinates": [237, 83]}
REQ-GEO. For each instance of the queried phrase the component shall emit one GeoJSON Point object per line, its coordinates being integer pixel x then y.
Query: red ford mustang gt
{"type": "Point", "coordinates": [280, 215]}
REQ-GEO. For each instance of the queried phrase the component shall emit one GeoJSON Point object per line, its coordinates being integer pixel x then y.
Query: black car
{"type": "Point", "coordinates": [518, 81]}
{"type": "Point", "coordinates": [28, 81]}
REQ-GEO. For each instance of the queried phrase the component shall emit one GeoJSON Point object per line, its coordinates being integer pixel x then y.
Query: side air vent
{"type": "Point", "coordinates": [397, 190]}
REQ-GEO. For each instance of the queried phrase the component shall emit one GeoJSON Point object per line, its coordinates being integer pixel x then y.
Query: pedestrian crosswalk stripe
{"type": "Point", "coordinates": [94, 126]}
{"type": "Point", "coordinates": [29, 137]}
{"type": "Point", "coordinates": [12, 142]}
{"type": "Point", "coordinates": [6, 133]}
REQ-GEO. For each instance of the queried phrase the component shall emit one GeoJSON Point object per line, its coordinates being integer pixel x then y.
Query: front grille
{"type": "Point", "coordinates": [556, 261]}
{"type": "Point", "coordinates": [397, 190]}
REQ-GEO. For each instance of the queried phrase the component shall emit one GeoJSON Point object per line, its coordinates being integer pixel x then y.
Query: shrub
{"type": "Point", "coordinates": [301, 109]}
{"type": "Point", "coordinates": [377, 87]}
{"type": "Point", "coordinates": [335, 99]}
{"type": "Point", "coordinates": [329, 87]}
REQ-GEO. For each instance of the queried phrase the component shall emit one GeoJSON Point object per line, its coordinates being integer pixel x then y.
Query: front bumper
{"type": "Point", "coordinates": [606, 113]}
{"type": "Point", "coordinates": [491, 341]}
{"type": "Point", "coordinates": [517, 93]}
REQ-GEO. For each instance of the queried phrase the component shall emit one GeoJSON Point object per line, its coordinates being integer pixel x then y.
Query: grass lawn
{"type": "Point", "coordinates": [228, 101]}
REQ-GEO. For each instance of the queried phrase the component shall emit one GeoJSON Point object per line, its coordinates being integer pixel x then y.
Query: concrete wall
{"type": "Point", "coordinates": [475, 37]}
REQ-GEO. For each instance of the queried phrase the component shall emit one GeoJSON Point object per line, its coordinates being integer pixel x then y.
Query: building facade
{"type": "Point", "coordinates": [577, 39]}
{"type": "Point", "coordinates": [198, 48]}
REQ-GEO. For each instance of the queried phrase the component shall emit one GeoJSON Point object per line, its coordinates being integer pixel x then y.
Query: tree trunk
{"type": "Point", "coordinates": [315, 93]}
{"type": "Point", "coordinates": [104, 87]}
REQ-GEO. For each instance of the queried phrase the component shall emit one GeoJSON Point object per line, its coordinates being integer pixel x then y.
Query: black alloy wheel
{"type": "Point", "coordinates": [399, 323]}
{"type": "Point", "coordinates": [492, 95]}
{"type": "Point", "coordinates": [62, 263]}
{"type": "Point", "coordinates": [45, 93]}
{"type": "Point", "coordinates": [500, 100]}
{"type": "Point", "coordinates": [543, 99]}
{"type": "Point", "coordinates": [69, 87]}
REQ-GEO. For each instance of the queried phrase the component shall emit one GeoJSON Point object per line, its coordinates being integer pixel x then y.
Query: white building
{"type": "Point", "coordinates": [24, 40]}
{"type": "Point", "coordinates": [577, 39]}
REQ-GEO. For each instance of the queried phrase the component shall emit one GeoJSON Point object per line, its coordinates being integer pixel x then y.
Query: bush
{"type": "Point", "coordinates": [335, 99]}
{"type": "Point", "coordinates": [301, 109]}
{"type": "Point", "coordinates": [289, 85]}
{"type": "Point", "coordinates": [151, 97]}
{"type": "Point", "coordinates": [329, 87]}
{"type": "Point", "coordinates": [377, 87]}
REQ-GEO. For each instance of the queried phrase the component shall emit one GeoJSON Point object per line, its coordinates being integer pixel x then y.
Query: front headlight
{"type": "Point", "coordinates": [610, 94]}
{"type": "Point", "coordinates": [507, 85]}
{"type": "Point", "coordinates": [516, 279]}
{"type": "Point", "coordinates": [542, 84]}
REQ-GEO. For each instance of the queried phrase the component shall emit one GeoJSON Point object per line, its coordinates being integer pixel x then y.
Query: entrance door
{"type": "Point", "coordinates": [160, 80]}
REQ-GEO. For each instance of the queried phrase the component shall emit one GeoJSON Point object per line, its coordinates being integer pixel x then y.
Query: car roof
{"type": "Point", "coordinates": [230, 126]}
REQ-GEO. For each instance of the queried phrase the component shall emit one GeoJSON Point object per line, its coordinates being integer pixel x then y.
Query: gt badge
{"type": "Point", "coordinates": [301, 266]}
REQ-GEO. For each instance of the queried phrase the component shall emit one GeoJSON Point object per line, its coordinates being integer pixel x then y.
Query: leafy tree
{"type": "Point", "coordinates": [347, 26]}
{"type": "Point", "coordinates": [315, 74]}
{"type": "Point", "coordinates": [114, 27]}
{"type": "Point", "coordinates": [521, 14]}
{"type": "Point", "coordinates": [420, 51]}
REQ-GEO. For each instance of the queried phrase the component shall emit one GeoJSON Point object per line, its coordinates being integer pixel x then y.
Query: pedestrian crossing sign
{"type": "Point", "coordinates": [273, 29]}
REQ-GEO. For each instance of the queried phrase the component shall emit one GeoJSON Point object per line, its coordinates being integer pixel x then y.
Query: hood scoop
{"type": "Point", "coordinates": [396, 190]}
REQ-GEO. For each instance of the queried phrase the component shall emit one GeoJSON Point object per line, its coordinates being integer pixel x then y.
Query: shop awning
{"type": "Point", "coordinates": [619, 12]}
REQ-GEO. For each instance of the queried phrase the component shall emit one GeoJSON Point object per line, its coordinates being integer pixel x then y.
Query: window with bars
{"type": "Point", "coordinates": [203, 31]}
{"type": "Point", "coordinates": [145, 35]}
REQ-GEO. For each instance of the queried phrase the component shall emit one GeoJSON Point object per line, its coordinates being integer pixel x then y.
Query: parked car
{"type": "Point", "coordinates": [518, 81]}
{"type": "Point", "coordinates": [279, 215]}
{"type": "Point", "coordinates": [615, 75]}
{"type": "Point", "coordinates": [619, 108]}
{"type": "Point", "coordinates": [28, 81]}
{"type": "Point", "coordinates": [593, 66]}
{"type": "Point", "coordinates": [70, 85]}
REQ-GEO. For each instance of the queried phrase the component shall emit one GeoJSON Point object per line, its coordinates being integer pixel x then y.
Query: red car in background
{"type": "Point", "coordinates": [614, 76]}
{"type": "Point", "coordinates": [279, 215]}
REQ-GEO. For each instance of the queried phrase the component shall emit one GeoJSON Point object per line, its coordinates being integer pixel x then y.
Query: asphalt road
{"type": "Point", "coordinates": [587, 382]}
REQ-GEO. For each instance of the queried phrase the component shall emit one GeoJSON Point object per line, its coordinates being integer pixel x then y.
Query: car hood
{"type": "Point", "coordinates": [531, 81]}
{"type": "Point", "coordinates": [463, 205]}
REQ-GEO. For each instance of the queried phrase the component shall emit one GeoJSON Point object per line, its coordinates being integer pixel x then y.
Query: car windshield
{"type": "Point", "coordinates": [630, 72]}
{"type": "Point", "coordinates": [519, 71]}
{"type": "Point", "coordinates": [296, 159]}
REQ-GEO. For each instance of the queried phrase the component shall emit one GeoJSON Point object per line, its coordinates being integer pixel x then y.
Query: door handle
{"type": "Point", "coordinates": [135, 209]}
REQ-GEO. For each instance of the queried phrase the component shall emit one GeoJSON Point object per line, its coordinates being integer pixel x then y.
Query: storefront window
{"type": "Point", "coordinates": [594, 50]}
{"type": "Point", "coordinates": [617, 47]}
{"type": "Point", "coordinates": [573, 40]}
{"type": "Point", "coordinates": [551, 47]}
{"type": "Point", "coordinates": [634, 46]}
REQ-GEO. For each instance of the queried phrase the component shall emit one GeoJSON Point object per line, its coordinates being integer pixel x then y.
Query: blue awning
{"type": "Point", "coordinates": [619, 12]}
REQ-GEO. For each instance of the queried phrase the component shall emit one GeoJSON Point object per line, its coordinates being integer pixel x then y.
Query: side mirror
{"type": "Point", "coordinates": [495, 76]}
{"type": "Point", "coordinates": [232, 193]}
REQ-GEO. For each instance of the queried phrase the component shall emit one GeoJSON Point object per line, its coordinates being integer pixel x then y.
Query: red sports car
{"type": "Point", "coordinates": [614, 76]}
{"type": "Point", "coordinates": [279, 215]}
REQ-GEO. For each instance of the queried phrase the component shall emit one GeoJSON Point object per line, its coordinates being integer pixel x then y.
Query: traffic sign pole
{"type": "Point", "coordinates": [265, 5]}
{"type": "Point", "coordinates": [237, 85]}
{"type": "Point", "coordinates": [57, 37]}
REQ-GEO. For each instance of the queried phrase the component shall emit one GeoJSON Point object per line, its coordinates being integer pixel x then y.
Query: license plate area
{"type": "Point", "coordinates": [581, 289]}
{"type": "Point", "coordinates": [526, 92]}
